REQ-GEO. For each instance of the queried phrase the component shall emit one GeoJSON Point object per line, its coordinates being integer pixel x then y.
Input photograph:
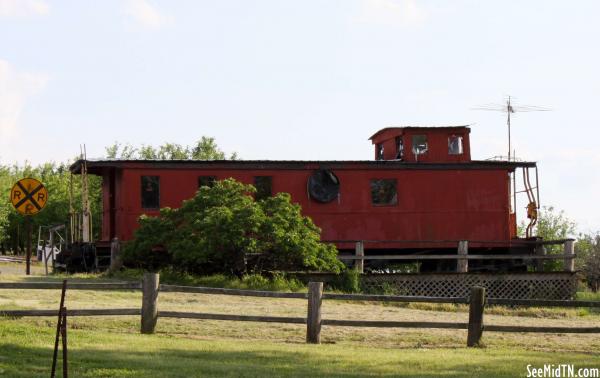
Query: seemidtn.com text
{"type": "Point", "coordinates": [562, 371]}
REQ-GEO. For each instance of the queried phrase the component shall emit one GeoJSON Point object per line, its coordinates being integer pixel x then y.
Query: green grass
{"type": "Point", "coordinates": [113, 347]}
{"type": "Point", "coordinates": [26, 352]}
{"type": "Point", "coordinates": [588, 296]}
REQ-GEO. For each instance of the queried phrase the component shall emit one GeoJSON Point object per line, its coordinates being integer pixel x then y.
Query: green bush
{"type": "Point", "coordinates": [348, 281]}
{"type": "Point", "coordinates": [222, 229]}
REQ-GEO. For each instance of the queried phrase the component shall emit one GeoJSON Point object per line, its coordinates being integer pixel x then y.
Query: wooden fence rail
{"type": "Point", "coordinates": [71, 312]}
{"type": "Point", "coordinates": [72, 285]}
{"type": "Point", "coordinates": [151, 287]}
{"type": "Point", "coordinates": [462, 255]}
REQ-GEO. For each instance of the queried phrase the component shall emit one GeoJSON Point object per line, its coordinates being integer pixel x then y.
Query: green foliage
{"type": "Point", "coordinates": [56, 178]}
{"type": "Point", "coordinates": [204, 149]}
{"type": "Point", "coordinates": [553, 225]}
{"type": "Point", "coordinates": [348, 281]}
{"type": "Point", "coordinates": [222, 229]}
{"type": "Point", "coordinates": [169, 275]}
{"type": "Point", "coordinates": [587, 250]}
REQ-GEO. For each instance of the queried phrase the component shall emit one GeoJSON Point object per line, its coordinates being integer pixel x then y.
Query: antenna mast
{"type": "Point", "coordinates": [510, 108]}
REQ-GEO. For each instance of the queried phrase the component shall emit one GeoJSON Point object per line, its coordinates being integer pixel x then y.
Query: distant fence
{"type": "Point", "coordinates": [462, 256]}
{"type": "Point", "coordinates": [150, 290]}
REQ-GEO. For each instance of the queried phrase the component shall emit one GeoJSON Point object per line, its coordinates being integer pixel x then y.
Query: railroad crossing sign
{"type": "Point", "coordinates": [28, 196]}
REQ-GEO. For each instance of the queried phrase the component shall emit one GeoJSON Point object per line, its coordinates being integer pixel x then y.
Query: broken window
{"type": "Point", "coordinates": [263, 187]}
{"type": "Point", "coordinates": [206, 181]}
{"type": "Point", "coordinates": [150, 192]}
{"type": "Point", "coordinates": [419, 144]}
{"type": "Point", "coordinates": [455, 145]}
{"type": "Point", "coordinates": [379, 152]}
{"type": "Point", "coordinates": [399, 148]}
{"type": "Point", "coordinates": [384, 192]}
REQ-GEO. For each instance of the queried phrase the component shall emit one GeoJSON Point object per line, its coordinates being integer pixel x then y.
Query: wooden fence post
{"type": "Point", "coordinates": [569, 250]}
{"type": "Point", "coordinates": [540, 250]}
{"type": "Point", "coordinates": [462, 264]}
{"type": "Point", "coordinates": [313, 321]}
{"type": "Point", "coordinates": [476, 306]}
{"type": "Point", "coordinates": [359, 251]}
{"type": "Point", "coordinates": [149, 301]}
{"type": "Point", "coordinates": [115, 255]}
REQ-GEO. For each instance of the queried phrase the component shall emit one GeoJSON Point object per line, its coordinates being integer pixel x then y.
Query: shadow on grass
{"type": "Point", "coordinates": [20, 361]}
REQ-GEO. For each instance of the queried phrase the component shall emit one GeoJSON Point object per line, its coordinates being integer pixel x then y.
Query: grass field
{"type": "Point", "coordinates": [113, 347]}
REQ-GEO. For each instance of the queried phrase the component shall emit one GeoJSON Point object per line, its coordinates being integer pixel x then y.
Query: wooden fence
{"type": "Point", "coordinates": [151, 287]}
{"type": "Point", "coordinates": [462, 256]}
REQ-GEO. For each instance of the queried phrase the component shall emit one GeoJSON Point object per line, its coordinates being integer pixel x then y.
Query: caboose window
{"type": "Point", "coordinates": [379, 153]}
{"type": "Point", "coordinates": [150, 192]}
{"type": "Point", "coordinates": [206, 181]}
{"type": "Point", "coordinates": [399, 148]}
{"type": "Point", "coordinates": [419, 144]}
{"type": "Point", "coordinates": [455, 145]}
{"type": "Point", "coordinates": [263, 187]}
{"type": "Point", "coordinates": [384, 192]}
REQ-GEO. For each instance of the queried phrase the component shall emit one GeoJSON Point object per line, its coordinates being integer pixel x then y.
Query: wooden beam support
{"type": "Point", "coordinates": [359, 251]}
{"type": "Point", "coordinates": [462, 264]}
{"type": "Point", "coordinates": [540, 251]}
{"type": "Point", "coordinates": [569, 251]}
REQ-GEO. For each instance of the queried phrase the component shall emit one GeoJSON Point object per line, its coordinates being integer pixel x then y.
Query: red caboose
{"type": "Point", "coordinates": [421, 194]}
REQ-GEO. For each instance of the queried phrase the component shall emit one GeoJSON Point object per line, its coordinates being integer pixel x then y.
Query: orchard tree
{"type": "Point", "coordinates": [222, 229]}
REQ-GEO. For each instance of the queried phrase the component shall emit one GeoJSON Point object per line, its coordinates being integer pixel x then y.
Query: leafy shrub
{"type": "Point", "coordinates": [348, 281]}
{"type": "Point", "coordinates": [222, 229]}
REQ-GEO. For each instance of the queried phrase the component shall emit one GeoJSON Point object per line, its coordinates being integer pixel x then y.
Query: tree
{"type": "Point", "coordinates": [207, 149]}
{"type": "Point", "coordinates": [57, 179]}
{"type": "Point", "coordinates": [552, 225]}
{"type": "Point", "coordinates": [222, 229]}
{"type": "Point", "coordinates": [204, 149]}
{"type": "Point", "coordinates": [587, 249]}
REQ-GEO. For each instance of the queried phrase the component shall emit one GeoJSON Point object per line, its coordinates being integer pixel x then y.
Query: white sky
{"type": "Point", "coordinates": [305, 79]}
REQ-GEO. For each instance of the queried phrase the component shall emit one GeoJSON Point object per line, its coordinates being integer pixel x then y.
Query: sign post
{"type": "Point", "coordinates": [28, 196]}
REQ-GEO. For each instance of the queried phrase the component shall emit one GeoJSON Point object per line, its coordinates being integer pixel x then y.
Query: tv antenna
{"type": "Point", "coordinates": [510, 108]}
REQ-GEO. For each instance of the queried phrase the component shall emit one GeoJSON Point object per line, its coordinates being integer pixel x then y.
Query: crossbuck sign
{"type": "Point", "coordinates": [28, 196]}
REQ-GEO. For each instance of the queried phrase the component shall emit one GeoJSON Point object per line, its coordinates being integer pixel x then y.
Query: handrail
{"type": "Point", "coordinates": [455, 257]}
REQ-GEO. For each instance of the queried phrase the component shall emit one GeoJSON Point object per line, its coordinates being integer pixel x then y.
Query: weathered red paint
{"type": "Point", "coordinates": [437, 140]}
{"type": "Point", "coordinates": [451, 199]}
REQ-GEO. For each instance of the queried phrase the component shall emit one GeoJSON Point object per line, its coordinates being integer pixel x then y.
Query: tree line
{"type": "Point", "coordinates": [59, 181]}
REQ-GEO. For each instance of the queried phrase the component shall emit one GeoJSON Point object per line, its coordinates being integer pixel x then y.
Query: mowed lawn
{"type": "Point", "coordinates": [113, 347]}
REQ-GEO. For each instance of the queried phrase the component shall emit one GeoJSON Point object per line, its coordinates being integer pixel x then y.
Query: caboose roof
{"type": "Point", "coordinates": [97, 166]}
{"type": "Point", "coordinates": [422, 128]}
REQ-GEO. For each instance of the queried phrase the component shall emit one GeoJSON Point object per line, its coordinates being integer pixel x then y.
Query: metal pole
{"type": "Point", "coordinates": [58, 327]}
{"type": "Point", "coordinates": [28, 258]}
{"type": "Point", "coordinates": [63, 332]}
{"type": "Point", "coordinates": [508, 109]}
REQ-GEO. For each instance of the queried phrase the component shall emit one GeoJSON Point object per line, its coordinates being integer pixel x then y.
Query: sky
{"type": "Point", "coordinates": [293, 80]}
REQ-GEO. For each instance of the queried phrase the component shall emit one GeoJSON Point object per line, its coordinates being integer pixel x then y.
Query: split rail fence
{"type": "Point", "coordinates": [150, 290]}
